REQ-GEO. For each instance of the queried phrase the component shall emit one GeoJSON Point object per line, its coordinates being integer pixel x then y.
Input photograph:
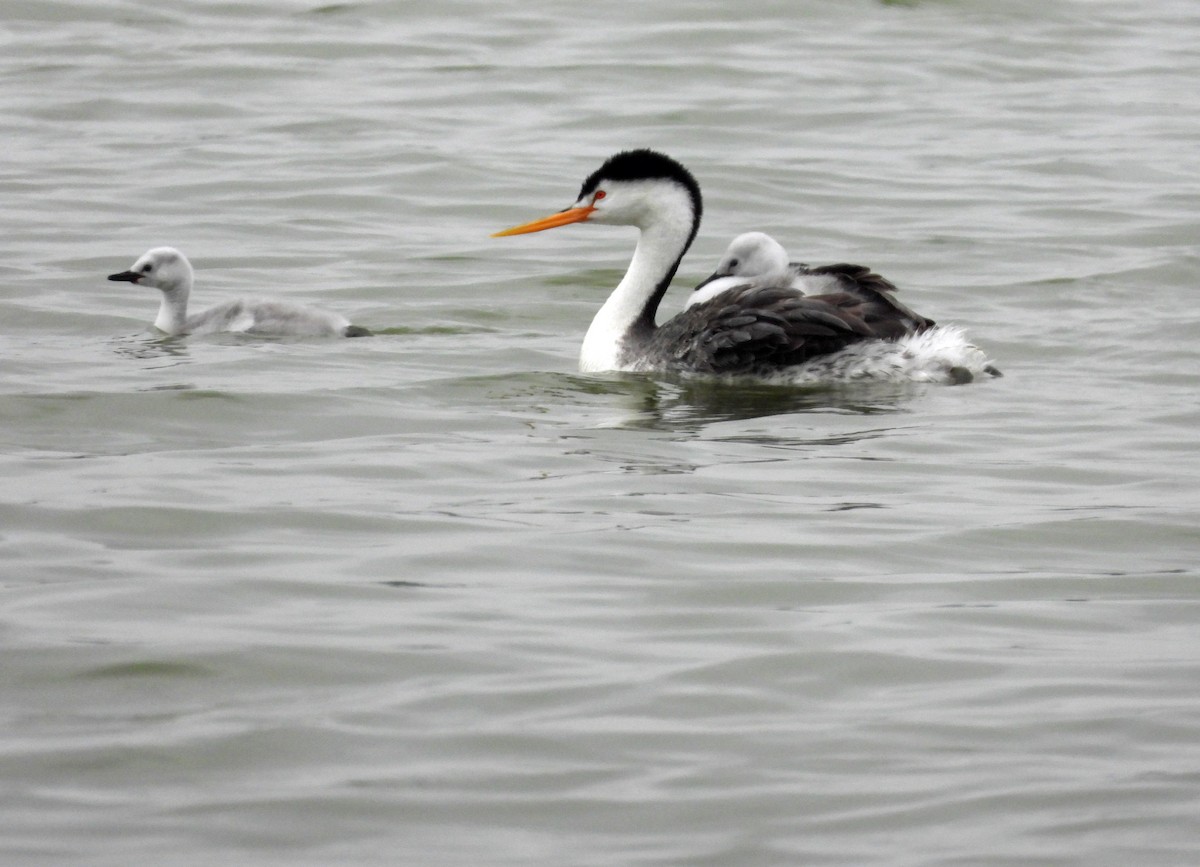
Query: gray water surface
{"type": "Point", "coordinates": [434, 597]}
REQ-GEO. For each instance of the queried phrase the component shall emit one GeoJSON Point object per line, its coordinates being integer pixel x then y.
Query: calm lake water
{"type": "Point", "coordinates": [435, 598]}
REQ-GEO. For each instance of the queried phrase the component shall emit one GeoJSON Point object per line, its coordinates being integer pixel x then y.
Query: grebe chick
{"type": "Point", "coordinates": [169, 271]}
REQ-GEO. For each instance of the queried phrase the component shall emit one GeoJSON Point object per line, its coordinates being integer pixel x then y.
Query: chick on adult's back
{"type": "Point", "coordinates": [169, 271]}
{"type": "Point", "coordinates": [757, 259]}
{"type": "Point", "coordinates": [750, 256]}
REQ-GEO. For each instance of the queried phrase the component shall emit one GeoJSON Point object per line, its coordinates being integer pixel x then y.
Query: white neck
{"type": "Point", "coordinates": [660, 245]}
{"type": "Point", "coordinates": [172, 312]}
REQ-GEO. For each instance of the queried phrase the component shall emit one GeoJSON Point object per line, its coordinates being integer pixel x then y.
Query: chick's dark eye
{"type": "Point", "coordinates": [733, 263]}
{"type": "Point", "coordinates": [147, 268]}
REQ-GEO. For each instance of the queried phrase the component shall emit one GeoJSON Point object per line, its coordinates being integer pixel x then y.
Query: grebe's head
{"type": "Point", "coordinates": [633, 188]}
{"type": "Point", "coordinates": [751, 255]}
{"type": "Point", "coordinates": [162, 268]}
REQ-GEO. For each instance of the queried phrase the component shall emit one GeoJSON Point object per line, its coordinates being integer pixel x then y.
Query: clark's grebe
{"type": "Point", "coordinates": [169, 271]}
{"type": "Point", "coordinates": [758, 330]}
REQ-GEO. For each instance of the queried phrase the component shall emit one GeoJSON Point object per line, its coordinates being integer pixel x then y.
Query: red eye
{"type": "Point", "coordinates": [600, 194]}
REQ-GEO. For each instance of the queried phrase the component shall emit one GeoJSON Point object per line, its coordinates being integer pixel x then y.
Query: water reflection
{"type": "Point", "coordinates": [688, 405]}
{"type": "Point", "coordinates": [152, 347]}
{"type": "Point", "coordinates": [680, 405]}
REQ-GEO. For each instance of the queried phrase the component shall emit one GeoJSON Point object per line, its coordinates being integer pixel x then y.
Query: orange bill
{"type": "Point", "coordinates": [562, 218]}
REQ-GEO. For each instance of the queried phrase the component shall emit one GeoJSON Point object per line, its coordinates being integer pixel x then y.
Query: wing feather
{"type": "Point", "coordinates": [750, 328]}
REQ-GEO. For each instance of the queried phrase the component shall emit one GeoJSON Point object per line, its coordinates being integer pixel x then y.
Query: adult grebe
{"type": "Point", "coordinates": [757, 330]}
{"type": "Point", "coordinates": [169, 271]}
